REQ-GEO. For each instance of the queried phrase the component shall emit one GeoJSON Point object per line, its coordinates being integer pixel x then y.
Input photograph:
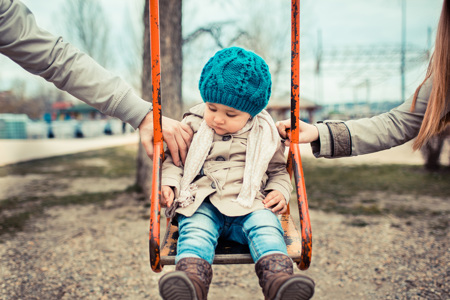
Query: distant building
{"type": "Point", "coordinates": [280, 111]}
{"type": "Point", "coordinates": [353, 110]}
{"type": "Point", "coordinates": [13, 126]}
{"type": "Point", "coordinates": [69, 111]}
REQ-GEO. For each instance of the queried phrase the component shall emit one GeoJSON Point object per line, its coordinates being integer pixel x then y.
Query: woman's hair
{"type": "Point", "coordinates": [439, 67]}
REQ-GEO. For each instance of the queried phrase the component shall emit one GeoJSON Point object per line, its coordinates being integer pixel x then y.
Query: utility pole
{"type": "Point", "coordinates": [367, 91]}
{"type": "Point", "coordinates": [403, 49]}
{"type": "Point", "coordinates": [318, 71]}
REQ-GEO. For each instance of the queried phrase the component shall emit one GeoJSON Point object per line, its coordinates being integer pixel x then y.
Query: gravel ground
{"type": "Point", "coordinates": [101, 252]}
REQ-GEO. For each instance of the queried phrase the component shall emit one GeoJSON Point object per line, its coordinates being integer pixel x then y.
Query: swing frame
{"type": "Point", "coordinates": [299, 243]}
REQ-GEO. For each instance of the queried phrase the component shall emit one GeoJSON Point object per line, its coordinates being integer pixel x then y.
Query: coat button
{"type": "Point", "coordinates": [213, 185]}
{"type": "Point", "coordinates": [226, 138]}
{"type": "Point", "coordinates": [220, 158]}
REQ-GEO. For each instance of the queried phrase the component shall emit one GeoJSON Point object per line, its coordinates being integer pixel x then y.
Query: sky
{"type": "Point", "coordinates": [341, 25]}
{"type": "Point", "coordinates": [370, 24]}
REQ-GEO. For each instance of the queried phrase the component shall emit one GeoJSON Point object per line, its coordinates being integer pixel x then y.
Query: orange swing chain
{"type": "Point", "coordinates": [294, 150]}
{"type": "Point", "coordinates": [158, 150]}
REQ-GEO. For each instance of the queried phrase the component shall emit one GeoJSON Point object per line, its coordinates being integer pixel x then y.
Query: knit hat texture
{"type": "Point", "coordinates": [237, 78]}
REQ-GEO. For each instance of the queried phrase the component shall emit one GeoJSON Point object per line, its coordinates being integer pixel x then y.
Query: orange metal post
{"type": "Point", "coordinates": [305, 222]}
{"type": "Point", "coordinates": [158, 154]}
{"type": "Point", "coordinates": [294, 151]}
{"type": "Point", "coordinates": [295, 70]}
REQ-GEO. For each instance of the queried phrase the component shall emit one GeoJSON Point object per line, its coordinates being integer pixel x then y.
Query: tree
{"type": "Point", "coordinates": [432, 149]}
{"type": "Point", "coordinates": [171, 75]}
{"type": "Point", "coordinates": [15, 102]}
{"type": "Point", "coordinates": [262, 27]}
{"type": "Point", "coordinates": [270, 39]}
{"type": "Point", "coordinates": [88, 28]}
{"type": "Point", "coordinates": [131, 46]}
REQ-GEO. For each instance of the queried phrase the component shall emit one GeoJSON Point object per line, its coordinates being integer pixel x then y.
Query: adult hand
{"type": "Point", "coordinates": [308, 133]}
{"type": "Point", "coordinates": [177, 136]}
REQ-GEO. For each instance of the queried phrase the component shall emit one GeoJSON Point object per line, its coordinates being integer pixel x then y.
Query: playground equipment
{"type": "Point", "coordinates": [299, 243]}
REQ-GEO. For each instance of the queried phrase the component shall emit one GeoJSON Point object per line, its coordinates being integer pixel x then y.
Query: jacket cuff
{"type": "Point", "coordinates": [322, 147]}
{"type": "Point", "coordinates": [341, 143]}
{"type": "Point", "coordinates": [334, 140]}
{"type": "Point", "coordinates": [132, 109]}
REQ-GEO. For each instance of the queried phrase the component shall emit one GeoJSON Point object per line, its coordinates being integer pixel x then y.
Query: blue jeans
{"type": "Point", "coordinates": [261, 230]}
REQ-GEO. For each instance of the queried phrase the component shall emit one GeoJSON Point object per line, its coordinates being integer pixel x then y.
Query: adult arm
{"type": "Point", "coordinates": [368, 135]}
{"type": "Point", "coordinates": [356, 137]}
{"type": "Point", "coordinates": [43, 54]}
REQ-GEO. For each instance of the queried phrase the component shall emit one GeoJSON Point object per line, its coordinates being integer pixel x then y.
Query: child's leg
{"type": "Point", "coordinates": [278, 281]}
{"type": "Point", "coordinates": [261, 230]}
{"type": "Point", "coordinates": [189, 281]}
{"type": "Point", "coordinates": [197, 241]}
{"type": "Point", "coordinates": [198, 234]}
{"type": "Point", "coordinates": [273, 267]}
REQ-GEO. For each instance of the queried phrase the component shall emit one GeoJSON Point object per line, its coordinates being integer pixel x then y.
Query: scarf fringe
{"type": "Point", "coordinates": [186, 198]}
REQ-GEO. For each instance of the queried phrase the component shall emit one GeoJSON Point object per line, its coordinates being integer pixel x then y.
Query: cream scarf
{"type": "Point", "coordinates": [261, 146]}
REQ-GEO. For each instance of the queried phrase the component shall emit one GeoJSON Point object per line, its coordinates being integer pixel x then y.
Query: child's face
{"type": "Point", "coordinates": [224, 119]}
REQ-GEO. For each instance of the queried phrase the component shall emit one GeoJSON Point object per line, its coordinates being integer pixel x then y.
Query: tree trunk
{"type": "Point", "coordinates": [432, 152]}
{"type": "Point", "coordinates": [171, 70]}
{"type": "Point", "coordinates": [432, 149]}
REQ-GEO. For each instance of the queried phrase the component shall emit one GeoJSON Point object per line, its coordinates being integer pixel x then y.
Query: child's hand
{"type": "Point", "coordinates": [276, 201]}
{"type": "Point", "coordinates": [167, 196]}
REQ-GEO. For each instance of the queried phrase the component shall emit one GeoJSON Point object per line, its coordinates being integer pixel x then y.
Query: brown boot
{"type": "Point", "coordinates": [190, 281]}
{"type": "Point", "coordinates": [277, 279]}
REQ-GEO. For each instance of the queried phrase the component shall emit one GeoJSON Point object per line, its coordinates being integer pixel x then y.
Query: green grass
{"type": "Point", "coordinates": [333, 188]}
{"type": "Point", "coordinates": [398, 179]}
{"type": "Point", "coordinates": [26, 208]}
{"type": "Point", "coordinates": [116, 162]}
{"type": "Point", "coordinates": [329, 187]}
{"type": "Point", "coordinates": [119, 161]}
{"type": "Point", "coordinates": [16, 222]}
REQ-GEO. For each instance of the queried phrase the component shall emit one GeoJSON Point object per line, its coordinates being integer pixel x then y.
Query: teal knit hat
{"type": "Point", "coordinates": [237, 78]}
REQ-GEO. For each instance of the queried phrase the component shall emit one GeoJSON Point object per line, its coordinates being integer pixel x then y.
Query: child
{"type": "Point", "coordinates": [233, 182]}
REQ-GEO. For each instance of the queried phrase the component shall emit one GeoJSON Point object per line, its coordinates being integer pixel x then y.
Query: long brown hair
{"type": "Point", "coordinates": [439, 67]}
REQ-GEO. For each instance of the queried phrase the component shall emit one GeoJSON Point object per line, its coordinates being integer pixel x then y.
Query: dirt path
{"type": "Point", "coordinates": [92, 252]}
{"type": "Point", "coordinates": [101, 251]}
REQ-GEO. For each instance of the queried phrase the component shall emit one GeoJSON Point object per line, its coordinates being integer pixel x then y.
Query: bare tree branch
{"type": "Point", "coordinates": [215, 30]}
{"type": "Point", "coordinates": [87, 27]}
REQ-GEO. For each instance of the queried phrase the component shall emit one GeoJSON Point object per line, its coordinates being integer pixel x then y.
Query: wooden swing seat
{"type": "Point", "coordinates": [230, 252]}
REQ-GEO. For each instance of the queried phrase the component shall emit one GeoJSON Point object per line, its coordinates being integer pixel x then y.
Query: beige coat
{"type": "Point", "coordinates": [223, 172]}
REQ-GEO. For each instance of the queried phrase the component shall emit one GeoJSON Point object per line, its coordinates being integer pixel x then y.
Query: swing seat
{"type": "Point", "coordinates": [230, 252]}
{"type": "Point", "coordinates": [298, 240]}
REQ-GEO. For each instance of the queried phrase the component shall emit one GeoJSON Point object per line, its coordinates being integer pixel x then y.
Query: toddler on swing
{"type": "Point", "coordinates": [233, 183]}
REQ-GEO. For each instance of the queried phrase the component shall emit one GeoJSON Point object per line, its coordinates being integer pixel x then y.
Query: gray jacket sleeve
{"type": "Point", "coordinates": [69, 69]}
{"type": "Point", "coordinates": [367, 135]}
